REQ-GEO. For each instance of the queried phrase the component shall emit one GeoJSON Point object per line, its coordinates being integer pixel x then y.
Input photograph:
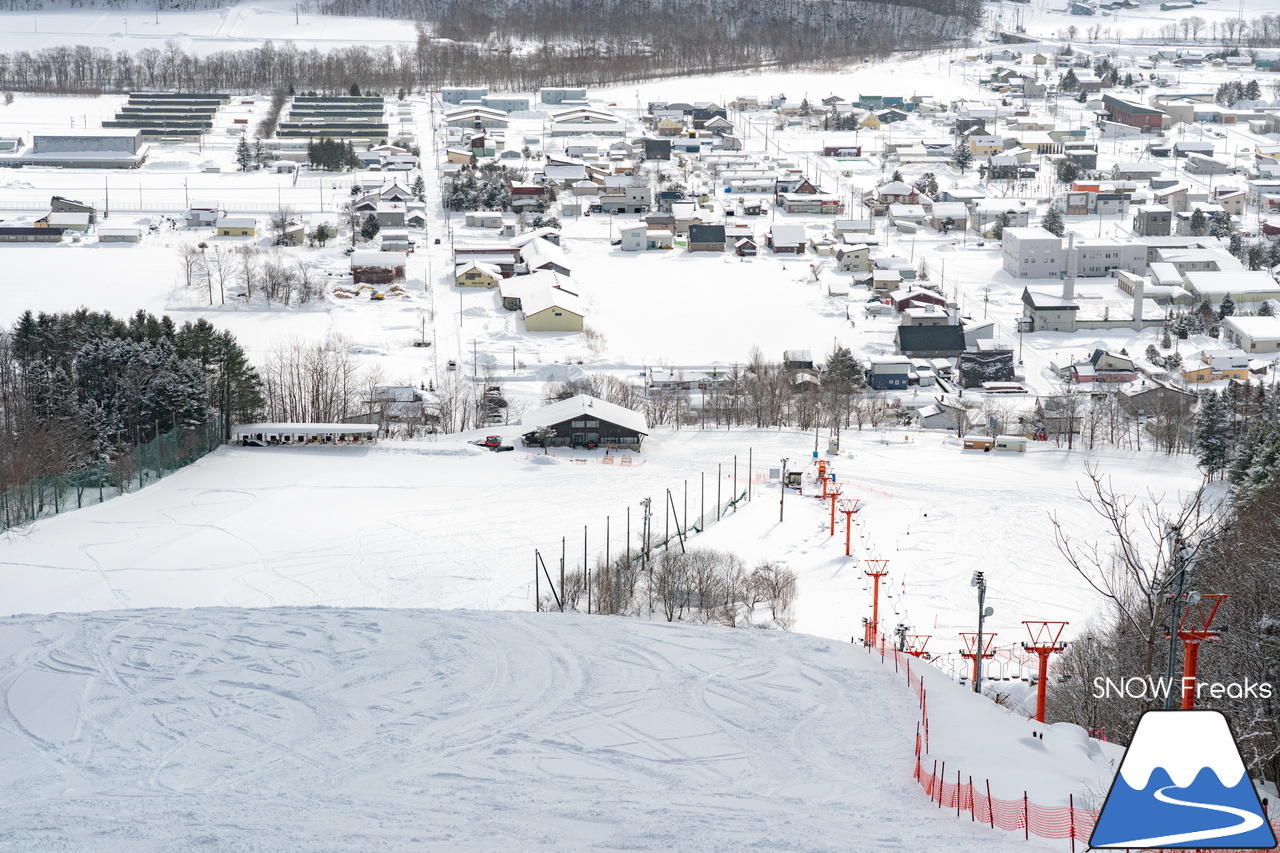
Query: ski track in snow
{"type": "Point", "coordinates": [319, 729]}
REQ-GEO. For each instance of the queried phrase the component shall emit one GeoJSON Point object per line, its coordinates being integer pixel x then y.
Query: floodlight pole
{"type": "Point", "coordinates": [980, 581]}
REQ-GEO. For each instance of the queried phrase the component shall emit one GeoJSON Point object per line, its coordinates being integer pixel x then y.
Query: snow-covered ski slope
{"type": "Point", "coordinates": [442, 524]}
{"type": "Point", "coordinates": [411, 730]}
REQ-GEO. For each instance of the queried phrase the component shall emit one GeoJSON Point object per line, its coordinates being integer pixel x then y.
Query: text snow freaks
{"type": "Point", "coordinates": [1149, 687]}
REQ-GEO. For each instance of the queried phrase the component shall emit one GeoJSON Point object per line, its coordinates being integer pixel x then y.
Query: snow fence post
{"type": "Point", "coordinates": [941, 781]}
{"type": "Point", "coordinates": [933, 778]}
{"type": "Point", "coordinates": [991, 809]}
{"type": "Point", "coordinates": [1071, 813]}
{"type": "Point", "coordinates": [959, 790]}
{"type": "Point", "coordinates": [973, 807]}
{"type": "Point", "coordinates": [1026, 818]}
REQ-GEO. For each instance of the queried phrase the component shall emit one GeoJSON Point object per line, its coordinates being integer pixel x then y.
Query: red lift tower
{"type": "Point", "coordinates": [1194, 628]}
{"type": "Point", "coordinates": [823, 478]}
{"type": "Point", "coordinates": [916, 643]}
{"type": "Point", "coordinates": [1045, 641]}
{"type": "Point", "coordinates": [848, 506]}
{"type": "Point", "coordinates": [875, 570]}
{"type": "Point", "coordinates": [970, 649]}
{"type": "Point", "coordinates": [833, 495]}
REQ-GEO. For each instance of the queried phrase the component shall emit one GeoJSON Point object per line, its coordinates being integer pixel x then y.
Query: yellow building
{"type": "Point", "coordinates": [870, 121]}
{"type": "Point", "coordinates": [237, 226]}
{"type": "Point", "coordinates": [1213, 365]}
{"type": "Point", "coordinates": [478, 275]}
{"type": "Point", "coordinates": [552, 309]}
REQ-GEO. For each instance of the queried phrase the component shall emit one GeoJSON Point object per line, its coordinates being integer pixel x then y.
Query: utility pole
{"type": "Point", "coordinates": [645, 565]}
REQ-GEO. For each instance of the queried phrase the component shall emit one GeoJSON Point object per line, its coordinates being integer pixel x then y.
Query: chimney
{"type": "Point", "coordinates": [1139, 285]}
{"type": "Point", "coordinates": [1069, 283]}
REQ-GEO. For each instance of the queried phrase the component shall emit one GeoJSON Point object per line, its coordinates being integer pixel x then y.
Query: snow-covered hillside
{"type": "Point", "coordinates": [343, 730]}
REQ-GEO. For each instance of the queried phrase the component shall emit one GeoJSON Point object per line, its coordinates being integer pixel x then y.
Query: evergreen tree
{"type": "Point", "coordinates": [419, 188]}
{"type": "Point", "coordinates": [1235, 245]}
{"type": "Point", "coordinates": [962, 159]}
{"type": "Point", "coordinates": [997, 227]}
{"type": "Point", "coordinates": [1069, 82]}
{"type": "Point", "coordinates": [260, 155]}
{"type": "Point", "coordinates": [1256, 256]}
{"type": "Point", "coordinates": [1068, 171]}
{"type": "Point", "coordinates": [897, 177]}
{"type": "Point", "coordinates": [927, 184]}
{"type": "Point", "coordinates": [843, 370]}
{"type": "Point", "coordinates": [1265, 310]}
{"type": "Point", "coordinates": [370, 227]}
{"type": "Point", "coordinates": [1052, 222]}
{"type": "Point", "coordinates": [244, 156]}
{"type": "Point", "coordinates": [1083, 97]}
{"type": "Point", "coordinates": [1199, 223]}
{"type": "Point", "coordinates": [1252, 91]}
{"type": "Point", "coordinates": [1227, 307]}
{"type": "Point", "coordinates": [355, 90]}
{"type": "Point", "coordinates": [1211, 438]}
{"type": "Point", "coordinates": [1220, 224]}
{"type": "Point", "coordinates": [1165, 341]}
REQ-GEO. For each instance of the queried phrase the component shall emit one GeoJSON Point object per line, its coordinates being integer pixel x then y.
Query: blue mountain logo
{"type": "Point", "coordinates": [1182, 785]}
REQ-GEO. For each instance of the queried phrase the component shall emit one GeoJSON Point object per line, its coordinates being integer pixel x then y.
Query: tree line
{"type": "Point", "coordinates": [1226, 547]}
{"type": "Point", "coordinates": [80, 389]}
{"type": "Point", "coordinates": [464, 43]}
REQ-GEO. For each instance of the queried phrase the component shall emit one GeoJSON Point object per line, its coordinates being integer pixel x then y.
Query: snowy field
{"type": "Point", "coordinates": [340, 730]}
{"type": "Point", "coordinates": [445, 525]}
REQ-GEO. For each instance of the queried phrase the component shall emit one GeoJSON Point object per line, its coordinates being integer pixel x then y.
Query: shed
{"type": "Point", "coordinates": [119, 235]}
{"type": "Point", "coordinates": [985, 443]}
{"type": "Point", "coordinates": [284, 434]}
{"type": "Point", "coordinates": [1011, 443]}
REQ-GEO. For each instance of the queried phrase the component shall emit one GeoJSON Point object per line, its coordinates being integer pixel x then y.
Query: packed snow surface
{"type": "Point", "coordinates": [349, 729]}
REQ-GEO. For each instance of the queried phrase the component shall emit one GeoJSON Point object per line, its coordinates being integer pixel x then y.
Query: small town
{"type": "Point", "coordinates": [403, 403]}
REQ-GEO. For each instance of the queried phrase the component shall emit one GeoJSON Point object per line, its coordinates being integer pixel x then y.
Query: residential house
{"type": "Point", "coordinates": [889, 373]}
{"type": "Point", "coordinates": [1153, 220]}
{"type": "Point", "coordinates": [949, 216]}
{"type": "Point", "coordinates": [787, 239]}
{"type": "Point", "coordinates": [552, 309]}
{"type": "Point", "coordinates": [706, 238]}
{"type": "Point", "coordinates": [59, 204]}
{"type": "Point", "coordinates": [854, 259]}
{"type": "Point", "coordinates": [237, 226]}
{"type": "Point", "coordinates": [1214, 365]}
{"type": "Point", "coordinates": [477, 274]}
{"type": "Point", "coordinates": [916, 298]}
{"type": "Point", "coordinates": [1253, 334]}
{"type": "Point", "coordinates": [896, 192]}
{"type": "Point", "coordinates": [1156, 400]}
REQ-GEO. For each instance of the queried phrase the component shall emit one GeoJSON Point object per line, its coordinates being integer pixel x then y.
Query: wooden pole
{"type": "Point", "coordinates": [586, 571]}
